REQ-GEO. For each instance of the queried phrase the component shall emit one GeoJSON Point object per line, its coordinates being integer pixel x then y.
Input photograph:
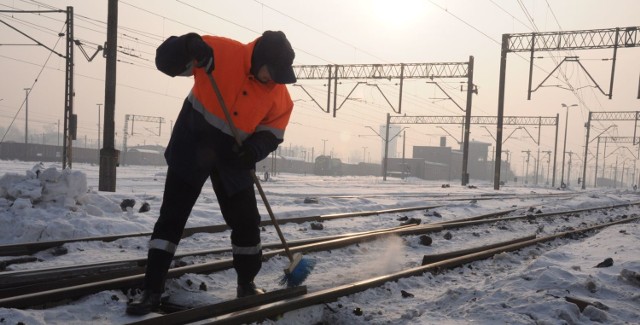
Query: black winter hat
{"type": "Point", "coordinates": [274, 50]}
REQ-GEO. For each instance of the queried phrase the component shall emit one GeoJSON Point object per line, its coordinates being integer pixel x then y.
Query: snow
{"type": "Point", "coordinates": [41, 202]}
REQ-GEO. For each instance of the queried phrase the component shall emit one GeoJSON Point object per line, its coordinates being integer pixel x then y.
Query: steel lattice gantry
{"type": "Point", "coordinates": [400, 71]}
{"type": "Point", "coordinates": [633, 140]}
{"type": "Point", "coordinates": [609, 38]}
{"type": "Point", "coordinates": [488, 120]}
{"type": "Point", "coordinates": [608, 116]}
{"type": "Point", "coordinates": [574, 40]}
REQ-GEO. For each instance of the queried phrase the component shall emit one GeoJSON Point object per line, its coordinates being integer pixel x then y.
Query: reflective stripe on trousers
{"type": "Point", "coordinates": [164, 245]}
{"type": "Point", "coordinates": [247, 250]}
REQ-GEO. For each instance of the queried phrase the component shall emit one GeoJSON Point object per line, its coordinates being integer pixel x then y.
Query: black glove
{"type": "Point", "coordinates": [201, 52]}
{"type": "Point", "coordinates": [246, 157]}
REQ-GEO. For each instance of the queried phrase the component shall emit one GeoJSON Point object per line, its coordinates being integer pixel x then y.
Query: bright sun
{"type": "Point", "coordinates": [397, 13]}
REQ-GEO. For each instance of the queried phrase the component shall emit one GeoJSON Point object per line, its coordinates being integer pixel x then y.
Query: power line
{"type": "Point", "coordinates": [31, 88]}
{"type": "Point", "coordinates": [318, 30]}
{"type": "Point", "coordinates": [94, 78]}
{"type": "Point", "coordinates": [508, 13]}
{"type": "Point", "coordinates": [528, 15]}
{"type": "Point", "coordinates": [243, 27]}
{"type": "Point", "coordinates": [219, 17]}
{"type": "Point", "coordinates": [99, 23]}
{"type": "Point", "coordinates": [466, 23]}
{"type": "Point", "coordinates": [553, 14]}
{"type": "Point", "coordinates": [32, 25]}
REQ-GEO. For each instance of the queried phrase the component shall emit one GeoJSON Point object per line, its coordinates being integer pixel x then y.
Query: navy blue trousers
{"type": "Point", "coordinates": [239, 211]}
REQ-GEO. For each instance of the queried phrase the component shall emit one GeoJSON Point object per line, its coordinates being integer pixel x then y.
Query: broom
{"type": "Point", "coordinates": [299, 267]}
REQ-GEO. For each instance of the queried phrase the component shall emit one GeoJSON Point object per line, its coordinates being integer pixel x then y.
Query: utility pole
{"type": "Point", "coordinates": [569, 172]}
{"type": "Point", "coordinates": [404, 144]}
{"type": "Point", "coordinates": [538, 156]}
{"type": "Point", "coordinates": [526, 175]}
{"type": "Point", "coordinates": [324, 145]}
{"type": "Point", "coordinates": [586, 152]}
{"type": "Point", "coordinates": [564, 147]}
{"type": "Point", "coordinates": [99, 113]}
{"type": "Point", "coordinates": [99, 145]}
{"type": "Point", "coordinates": [386, 149]}
{"type": "Point", "coordinates": [467, 125]}
{"type": "Point", "coordinates": [548, 153]}
{"type": "Point", "coordinates": [26, 116]}
{"type": "Point", "coordinates": [604, 157]}
{"type": "Point", "coordinates": [615, 175]}
{"type": "Point", "coordinates": [555, 151]}
{"type": "Point", "coordinates": [70, 121]}
{"type": "Point", "coordinates": [108, 154]}
{"type": "Point", "coordinates": [595, 174]}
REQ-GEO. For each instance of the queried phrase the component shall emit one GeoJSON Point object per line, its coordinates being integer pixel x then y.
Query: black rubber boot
{"type": "Point", "coordinates": [146, 303]}
{"type": "Point", "coordinates": [248, 289]}
{"type": "Point", "coordinates": [158, 262]}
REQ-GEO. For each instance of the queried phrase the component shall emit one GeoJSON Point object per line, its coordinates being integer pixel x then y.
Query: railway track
{"type": "Point", "coordinates": [444, 262]}
{"type": "Point", "coordinates": [42, 292]}
{"type": "Point", "coordinates": [34, 247]}
{"type": "Point", "coordinates": [243, 312]}
{"type": "Point", "coordinates": [21, 288]}
{"type": "Point", "coordinates": [28, 281]}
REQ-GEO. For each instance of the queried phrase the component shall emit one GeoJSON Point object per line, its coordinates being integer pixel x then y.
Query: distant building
{"type": "Point", "coordinates": [445, 163]}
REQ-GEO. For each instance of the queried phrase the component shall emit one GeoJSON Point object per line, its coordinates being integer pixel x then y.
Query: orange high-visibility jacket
{"type": "Point", "coordinates": [259, 111]}
{"type": "Point", "coordinates": [253, 106]}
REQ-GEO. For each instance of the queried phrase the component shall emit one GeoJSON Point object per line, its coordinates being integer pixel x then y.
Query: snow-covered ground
{"type": "Point", "coordinates": [39, 202]}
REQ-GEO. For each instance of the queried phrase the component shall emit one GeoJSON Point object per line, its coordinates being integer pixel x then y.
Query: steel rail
{"type": "Point", "coordinates": [68, 292]}
{"type": "Point", "coordinates": [432, 258]}
{"type": "Point", "coordinates": [30, 281]}
{"type": "Point", "coordinates": [463, 223]}
{"type": "Point", "coordinates": [59, 290]}
{"type": "Point", "coordinates": [34, 247]}
{"type": "Point", "coordinates": [258, 313]}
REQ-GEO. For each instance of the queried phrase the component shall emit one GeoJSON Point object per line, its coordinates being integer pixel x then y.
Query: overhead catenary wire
{"type": "Point", "coordinates": [534, 27]}
{"type": "Point", "coordinates": [320, 31]}
{"type": "Point", "coordinates": [35, 81]}
{"type": "Point", "coordinates": [146, 38]}
{"type": "Point", "coordinates": [227, 20]}
{"type": "Point", "coordinates": [133, 55]}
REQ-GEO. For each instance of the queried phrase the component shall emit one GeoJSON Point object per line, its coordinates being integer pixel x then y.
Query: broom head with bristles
{"type": "Point", "coordinates": [298, 271]}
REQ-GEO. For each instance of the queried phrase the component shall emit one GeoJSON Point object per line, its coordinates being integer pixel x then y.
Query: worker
{"type": "Point", "coordinates": [252, 80]}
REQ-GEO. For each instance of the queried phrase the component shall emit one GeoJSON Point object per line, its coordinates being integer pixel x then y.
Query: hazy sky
{"type": "Point", "coordinates": [327, 32]}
